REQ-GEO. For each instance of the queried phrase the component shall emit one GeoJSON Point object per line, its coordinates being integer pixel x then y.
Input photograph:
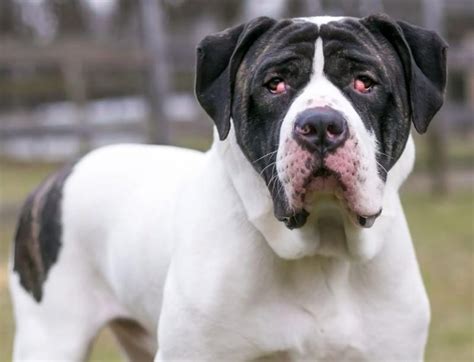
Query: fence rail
{"type": "Point", "coordinates": [28, 130]}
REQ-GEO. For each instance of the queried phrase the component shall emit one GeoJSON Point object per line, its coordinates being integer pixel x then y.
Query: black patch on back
{"type": "Point", "coordinates": [38, 233]}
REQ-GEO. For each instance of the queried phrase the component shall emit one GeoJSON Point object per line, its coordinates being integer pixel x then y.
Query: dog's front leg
{"type": "Point", "coordinates": [184, 333]}
{"type": "Point", "coordinates": [198, 325]}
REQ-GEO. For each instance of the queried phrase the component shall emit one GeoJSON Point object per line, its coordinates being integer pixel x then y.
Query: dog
{"type": "Point", "coordinates": [285, 241]}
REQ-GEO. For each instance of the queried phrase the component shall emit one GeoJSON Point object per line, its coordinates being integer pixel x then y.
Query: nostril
{"type": "Point", "coordinates": [305, 129]}
{"type": "Point", "coordinates": [334, 129]}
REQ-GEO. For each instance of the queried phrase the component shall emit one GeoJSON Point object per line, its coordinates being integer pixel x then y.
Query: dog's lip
{"type": "Point", "coordinates": [291, 218]}
{"type": "Point", "coordinates": [367, 221]}
{"type": "Point", "coordinates": [298, 218]}
{"type": "Point", "coordinates": [295, 220]}
{"type": "Point", "coordinates": [325, 173]}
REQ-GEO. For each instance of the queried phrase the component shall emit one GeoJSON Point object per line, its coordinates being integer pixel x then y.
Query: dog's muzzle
{"type": "Point", "coordinates": [322, 155]}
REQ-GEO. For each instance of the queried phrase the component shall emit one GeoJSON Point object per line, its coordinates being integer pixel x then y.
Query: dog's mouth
{"type": "Point", "coordinates": [347, 175]}
{"type": "Point", "coordinates": [322, 181]}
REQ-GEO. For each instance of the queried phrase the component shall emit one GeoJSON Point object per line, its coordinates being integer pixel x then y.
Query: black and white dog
{"type": "Point", "coordinates": [285, 241]}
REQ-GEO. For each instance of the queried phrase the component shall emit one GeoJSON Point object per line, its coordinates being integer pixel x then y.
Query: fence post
{"type": "Point", "coordinates": [432, 12]}
{"type": "Point", "coordinates": [154, 37]}
{"type": "Point", "coordinates": [313, 7]}
{"type": "Point", "coordinates": [75, 84]}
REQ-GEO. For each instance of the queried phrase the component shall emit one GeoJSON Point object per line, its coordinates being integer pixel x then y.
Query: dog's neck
{"type": "Point", "coordinates": [333, 235]}
{"type": "Point", "coordinates": [257, 203]}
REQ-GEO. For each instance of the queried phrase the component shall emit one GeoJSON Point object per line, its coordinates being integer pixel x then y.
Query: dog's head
{"type": "Point", "coordinates": [322, 105]}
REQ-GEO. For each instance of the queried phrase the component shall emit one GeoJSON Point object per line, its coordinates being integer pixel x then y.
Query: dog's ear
{"type": "Point", "coordinates": [218, 59]}
{"type": "Point", "coordinates": [423, 55]}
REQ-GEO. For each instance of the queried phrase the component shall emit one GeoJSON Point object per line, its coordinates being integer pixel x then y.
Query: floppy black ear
{"type": "Point", "coordinates": [218, 59]}
{"type": "Point", "coordinates": [423, 54]}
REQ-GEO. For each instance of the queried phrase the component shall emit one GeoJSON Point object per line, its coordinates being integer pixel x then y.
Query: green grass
{"type": "Point", "coordinates": [443, 233]}
{"type": "Point", "coordinates": [17, 179]}
{"type": "Point", "coordinates": [442, 228]}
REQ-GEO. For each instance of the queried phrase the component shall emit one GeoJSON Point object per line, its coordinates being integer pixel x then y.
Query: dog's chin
{"type": "Point", "coordinates": [323, 185]}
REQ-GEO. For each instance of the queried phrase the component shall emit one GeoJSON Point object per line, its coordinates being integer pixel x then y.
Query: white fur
{"type": "Point", "coordinates": [186, 244]}
{"type": "Point", "coordinates": [320, 20]}
{"type": "Point", "coordinates": [141, 217]}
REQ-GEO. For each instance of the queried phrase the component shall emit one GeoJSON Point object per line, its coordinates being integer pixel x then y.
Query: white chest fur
{"type": "Point", "coordinates": [235, 298]}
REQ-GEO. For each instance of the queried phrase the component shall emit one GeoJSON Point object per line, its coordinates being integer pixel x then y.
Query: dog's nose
{"type": "Point", "coordinates": [320, 129]}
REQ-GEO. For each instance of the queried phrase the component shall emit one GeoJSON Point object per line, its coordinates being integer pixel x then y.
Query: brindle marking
{"type": "Point", "coordinates": [38, 233]}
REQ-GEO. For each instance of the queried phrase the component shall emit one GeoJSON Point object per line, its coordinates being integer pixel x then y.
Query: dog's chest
{"type": "Point", "coordinates": [310, 312]}
{"type": "Point", "coordinates": [323, 324]}
{"type": "Point", "coordinates": [337, 335]}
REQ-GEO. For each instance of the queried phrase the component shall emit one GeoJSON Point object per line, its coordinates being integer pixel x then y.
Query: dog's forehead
{"type": "Point", "coordinates": [293, 35]}
{"type": "Point", "coordinates": [343, 31]}
{"type": "Point", "coordinates": [336, 32]}
{"type": "Point", "coordinates": [320, 20]}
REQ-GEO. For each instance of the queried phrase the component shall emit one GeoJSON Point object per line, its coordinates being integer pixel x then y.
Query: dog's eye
{"type": "Point", "coordinates": [363, 84]}
{"type": "Point", "coordinates": [276, 85]}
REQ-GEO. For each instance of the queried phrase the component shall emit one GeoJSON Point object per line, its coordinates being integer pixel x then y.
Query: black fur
{"type": "Point", "coordinates": [218, 59]}
{"type": "Point", "coordinates": [423, 54]}
{"type": "Point", "coordinates": [286, 50]}
{"type": "Point", "coordinates": [264, 49]}
{"type": "Point", "coordinates": [38, 234]}
{"type": "Point", "coordinates": [408, 88]}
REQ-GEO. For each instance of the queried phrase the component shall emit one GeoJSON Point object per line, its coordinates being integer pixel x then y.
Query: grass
{"type": "Point", "coordinates": [17, 179]}
{"type": "Point", "coordinates": [442, 228]}
{"type": "Point", "coordinates": [443, 232]}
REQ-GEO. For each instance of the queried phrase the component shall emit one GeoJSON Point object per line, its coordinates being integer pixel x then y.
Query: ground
{"type": "Point", "coordinates": [442, 229]}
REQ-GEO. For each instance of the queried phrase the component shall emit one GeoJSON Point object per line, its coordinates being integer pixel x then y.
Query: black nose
{"type": "Point", "coordinates": [320, 129]}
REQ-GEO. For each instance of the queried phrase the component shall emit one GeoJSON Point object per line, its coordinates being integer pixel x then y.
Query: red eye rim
{"type": "Point", "coordinates": [363, 84]}
{"type": "Point", "coordinates": [276, 85]}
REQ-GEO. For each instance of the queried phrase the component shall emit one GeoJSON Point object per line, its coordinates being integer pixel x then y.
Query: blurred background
{"type": "Point", "coordinates": [78, 74]}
